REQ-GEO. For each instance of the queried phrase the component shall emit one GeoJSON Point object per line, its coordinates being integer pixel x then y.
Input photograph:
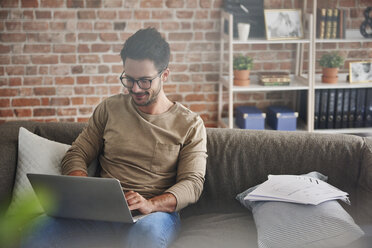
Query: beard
{"type": "Point", "coordinates": [152, 97]}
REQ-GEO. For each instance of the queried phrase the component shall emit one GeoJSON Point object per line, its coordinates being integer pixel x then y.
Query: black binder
{"type": "Point", "coordinates": [368, 117]}
{"type": "Point", "coordinates": [323, 109]}
{"type": "Point", "coordinates": [345, 108]}
{"type": "Point", "coordinates": [338, 108]}
{"type": "Point", "coordinates": [331, 108]}
{"type": "Point", "coordinates": [352, 107]}
{"type": "Point", "coordinates": [360, 107]}
{"type": "Point", "coordinates": [316, 109]}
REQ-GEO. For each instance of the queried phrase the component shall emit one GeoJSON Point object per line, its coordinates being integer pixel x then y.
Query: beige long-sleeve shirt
{"type": "Point", "coordinates": [149, 154]}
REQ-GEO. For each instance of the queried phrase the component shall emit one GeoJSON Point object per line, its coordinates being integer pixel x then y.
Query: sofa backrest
{"type": "Point", "coordinates": [237, 159]}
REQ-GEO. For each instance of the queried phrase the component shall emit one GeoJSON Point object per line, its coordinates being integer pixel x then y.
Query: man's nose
{"type": "Point", "coordinates": [136, 87]}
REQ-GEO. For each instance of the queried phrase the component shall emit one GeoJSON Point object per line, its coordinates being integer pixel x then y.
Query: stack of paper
{"type": "Point", "coordinates": [296, 189]}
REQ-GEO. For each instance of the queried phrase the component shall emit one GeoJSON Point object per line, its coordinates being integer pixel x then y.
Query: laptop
{"type": "Point", "coordinates": [87, 198]}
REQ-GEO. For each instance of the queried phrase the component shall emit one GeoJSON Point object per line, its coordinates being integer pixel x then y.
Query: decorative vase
{"type": "Point", "coordinates": [243, 31]}
{"type": "Point", "coordinates": [330, 75]}
{"type": "Point", "coordinates": [241, 77]}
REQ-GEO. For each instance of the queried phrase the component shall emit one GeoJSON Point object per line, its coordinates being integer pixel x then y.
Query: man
{"type": "Point", "coordinates": [155, 147]}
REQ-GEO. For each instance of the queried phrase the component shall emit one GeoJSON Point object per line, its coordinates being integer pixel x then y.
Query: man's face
{"type": "Point", "coordinates": [143, 69]}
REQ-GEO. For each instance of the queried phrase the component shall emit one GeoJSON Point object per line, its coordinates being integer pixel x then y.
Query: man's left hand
{"type": "Point", "coordinates": [138, 202]}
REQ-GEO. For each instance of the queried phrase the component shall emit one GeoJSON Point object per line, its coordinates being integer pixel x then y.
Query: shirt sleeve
{"type": "Point", "coordinates": [191, 167]}
{"type": "Point", "coordinates": [88, 144]}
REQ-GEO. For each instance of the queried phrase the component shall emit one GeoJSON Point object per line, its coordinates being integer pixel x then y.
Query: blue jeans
{"type": "Point", "coordinates": [158, 229]}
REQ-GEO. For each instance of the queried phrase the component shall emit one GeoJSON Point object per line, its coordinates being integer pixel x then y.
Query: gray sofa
{"type": "Point", "coordinates": [238, 160]}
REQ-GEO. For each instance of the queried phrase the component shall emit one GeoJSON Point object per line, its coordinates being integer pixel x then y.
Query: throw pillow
{"type": "Point", "coordinates": [291, 225]}
{"type": "Point", "coordinates": [37, 155]}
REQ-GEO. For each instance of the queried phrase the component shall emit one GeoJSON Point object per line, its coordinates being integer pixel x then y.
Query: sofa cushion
{"type": "Point", "coordinates": [218, 231]}
{"type": "Point", "coordinates": [37, 155]}
{"type": "Point", "coordinates": [291, 225]}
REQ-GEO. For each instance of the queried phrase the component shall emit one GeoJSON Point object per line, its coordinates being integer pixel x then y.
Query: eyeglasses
{"type": "Point", "coordinates": [143, 83]}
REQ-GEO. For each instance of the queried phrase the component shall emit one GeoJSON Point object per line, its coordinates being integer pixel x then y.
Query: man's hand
{"type": "Point", "coordinates": [78, 173]}
{"type": "Point", "coordinates": [166, 202]}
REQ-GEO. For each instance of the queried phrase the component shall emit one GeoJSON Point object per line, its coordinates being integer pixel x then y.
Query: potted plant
{"type": "Point", "coordinates": [242, 66]}
{"type": "Point", "coordinates": [330, 63]}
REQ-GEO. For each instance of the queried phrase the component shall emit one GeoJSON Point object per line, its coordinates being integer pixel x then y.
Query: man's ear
{"type": "Point", "coordinates": [164, 76]}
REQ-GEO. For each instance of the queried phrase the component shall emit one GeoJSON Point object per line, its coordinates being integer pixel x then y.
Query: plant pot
{"type": "Point", "coordinates": [330, 75]}
{"type": "Point", "coordinates": [241, 77]}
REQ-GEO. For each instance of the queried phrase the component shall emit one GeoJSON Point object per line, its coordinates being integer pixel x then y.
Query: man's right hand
{"type": "Point", "coordinates": [78, 173]}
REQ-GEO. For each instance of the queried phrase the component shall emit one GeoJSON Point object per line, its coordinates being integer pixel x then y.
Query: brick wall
{"type": "Point", "coordinates": [60, 58]}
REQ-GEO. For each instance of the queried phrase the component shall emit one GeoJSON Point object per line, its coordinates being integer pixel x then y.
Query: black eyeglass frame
{"type": "Point", "coordinates": [137, 80]}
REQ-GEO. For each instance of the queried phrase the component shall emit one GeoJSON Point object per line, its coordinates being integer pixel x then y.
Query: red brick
{"type": "Point", "coordinates": [44, 91]}
{"type": "Point", "coordinates": [36, 49]}
{"type": "Point", "coordinates": [180, 36]}
{"type": "Point", "coordinates": [44, 59]}
{"type": "Point", "coordinates": [67, 112]}
{"type": "Point", "coordinates": [59, 69]}
{"type": "Point", "coordinates": [119, 26]}
{"type": "Point", "coordinates": [97, 79]}
{"type": "Point", "coordinates": [87, 37]}
{"type": "Point", "coordinates": [77, 100]}
{"type": "Point", "coordinates": [57, 26]}
{"type": "Point", "coordinates": [52, 3]}
{"type": "Point", "coordinates": [84, 120]}
{"type": "Point", "coordinates": [77, 69]}
{"type": "Point", "coordinates": [100, 48]}
{"type": "Point", "coordinates": [93, 3]}
{"type": "Point", "coordinates": [174, 3]}
{"type": "Point", "coordinates": [4, 59]}
{"type": "Point", "coordinates": [22, 112]}
{"type": "Point", "coordinates": [13, 37]}
{"type": "Point", "coordinates": [64, 14]}
{"type": "Point", "coordinates": [108, 36]}
{"type": "Point", "coordinates": [86, 90]}
{"type": "Point", "coordinates": [125, 15]}
{"type": "Point", "coordinates": [93, 100]}
{"type": "Point", "coordinates": [161, 14]}
{"type": "Point", "coordinates": [346, 3]}
{"type": "Point", "coordinates": [12, 26]}
{"type": "Point", "coordinates": [113, 3]}
{"type": "Point", "coordinates": [44, 112]}
{"type": "Point", "coordinates": [62, 48]}
{"type": "Point", "coordinates": [32, 80]}
{"type": "Point", "coordinates": [116, 68]}
{"type": "Point", "coordinates": [103, 69]}
{"type": "Point", "coordinates": [82, 80]}
{"type": "Point", "coordinates": [43, 14]}
{"type": "Point", "coordinates": [198, 107]}
{"type": "Point", "coordinates": [68, 59]}
{"type": "Point", "coordinates": [29, 3]}
{"type": "Point", "coordinates": [86, 14]}
{"type": "Point", "coordinates": [18, 102]}
{"type": "Point", "coordinates": [184, 14]}
{"type": "Point", "coordinates": [64, 80]}
{"type": "Point", "coordinates": [82, 48]}
{"type": "Point", "coordinates": [151, 4]}
{"type": "Point", "coordinates": [89, 59]}
{"type": "Point", "coordinates": [35, 26]}
{"type": "Point", "coordinates": [111, 58]}
{"type": "Point", "coordinates": [6, 113]}
{"type": "Point", "coordinates": [112, 80]}
{"type": "Point", "coordinates": [84, 26]}
{"type": "Point", "coordinates": [75, 3]}
{"type": "Point", "coordinates": [20, 59]}
{"type": "Point", "coordinates": [4, 103]}
{"type": "Point", "coordinates": [15, 81]}
{"type": "Point", "coordinates": [61, 101]}
{"type": "Point", "coordinates": [15, 70]}
{"type": "Point", "coordinates": [107, 14]}
{"type": "Point", "coordinates": [9, 4]}
{"type": "Point", "coordinates": [4, 49]}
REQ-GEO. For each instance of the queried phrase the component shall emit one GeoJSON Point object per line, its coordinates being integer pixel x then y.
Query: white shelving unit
{"type": "Point", "coordinates": [309, 81]}
{"type": "Point", "coordinates": [351, 36]}
{"type": "Point", "coordinates": [299, 80]}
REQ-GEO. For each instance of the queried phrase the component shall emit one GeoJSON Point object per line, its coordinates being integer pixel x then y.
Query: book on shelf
{"type": "Point", "coordinates": [321, 20]}
{"type": "Point", "coordinates": [352, 107]}
{"type": "Point", "coordinates": [334, 24]}
{"type": "Point", "coordinates": [331, 108]}
{"type": "Point", "coordinates": [345, 109]}
{"type": "Point", "coordinates": [274, 78]}
{"type": "Point", "coordinates": [368, 116]}
{"type": "Point", "coordinates": [296, 189]}
{"type": "Point", "coordinates": [316, 110]}
{"type": "Point", "coordinates": [338, 108]}
{"type": "Point", "coordinates": [329, 24]}
{"type": "Point", "coordinates": [323, 109]}
{"type": "Point", "coordinates": [341, 24]}
{"type": "Point", "coordinates": [360, 107]}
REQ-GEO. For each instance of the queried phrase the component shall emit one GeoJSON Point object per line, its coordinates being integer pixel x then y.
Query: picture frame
{"type": "Point", "coordinates": [283, 24]}
{"type": "Point", "coordinates": [360, 72]}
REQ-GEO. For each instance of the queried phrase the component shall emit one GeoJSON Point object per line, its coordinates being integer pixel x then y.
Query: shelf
{"type": "Point", "coordinates": [345, 130]}
{"type": "Point", "coordinates": [341, 84]}
{"type": "Point", "coordinates": [352, 35]}
{"type": "Point", "coordinates": [297, 83]}
{"type": "Point", "coordinates": [301, 126]}
{"type": "Point", "coordinates": [264, 41]}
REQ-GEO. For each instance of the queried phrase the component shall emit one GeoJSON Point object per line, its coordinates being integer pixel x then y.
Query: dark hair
{"type": "Point", "coordinates": [147, 44]}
